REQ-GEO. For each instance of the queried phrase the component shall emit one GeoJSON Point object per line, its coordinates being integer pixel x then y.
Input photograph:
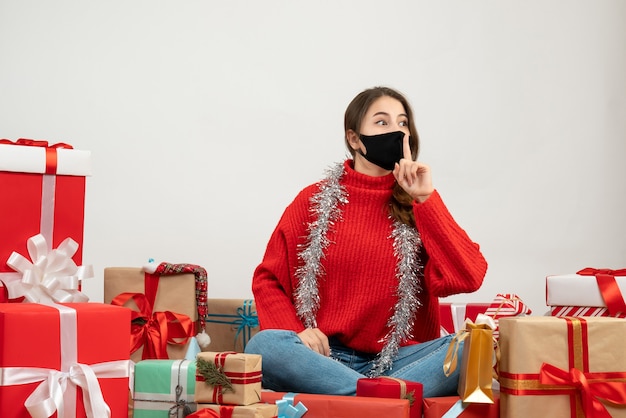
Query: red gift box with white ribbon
{"type": "Point", "coordinates": [63, 358]}
{"type": "Point", "coordinates": [43, 189]}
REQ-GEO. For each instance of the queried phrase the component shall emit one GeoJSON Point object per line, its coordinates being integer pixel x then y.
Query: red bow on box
{"type": "Point", "coordinates": [608, 287]}
{"type": "Point", "coordinates": [155, 329]}
{"type": "Point", "coordinates": [591, 386]}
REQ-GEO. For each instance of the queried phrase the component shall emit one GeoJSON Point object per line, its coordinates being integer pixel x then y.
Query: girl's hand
{"type": "Point", "coordinates": [413, 176]}
{"type": "Point", "coordinates": [316, 340]}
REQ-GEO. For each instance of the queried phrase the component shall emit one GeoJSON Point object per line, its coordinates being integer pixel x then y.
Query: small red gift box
{"type": "Point", "coordinates": [43, 189]}
{"type": "Point", "coordinates": [323, 406]}
{"type": "Point", "coordinates": [437, 407]}
{"type": "Point", "coordinates": [389, 387]}
{"type": "Point", "coordinates": [70, 356]}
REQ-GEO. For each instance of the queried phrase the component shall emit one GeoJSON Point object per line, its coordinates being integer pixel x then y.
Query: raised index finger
{"type": "Point", "coordinates": [406, 148]}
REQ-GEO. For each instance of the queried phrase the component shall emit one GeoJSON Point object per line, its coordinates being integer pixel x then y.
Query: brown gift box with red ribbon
{"type": "Point", "coordinates": [164, 310]}
{"type": "Point", "coordinates": [562, 367]}
{"type": "Point", "coordinates": [228, 378]}
{"type": "Point", "coordinates": [589, 292]}
{"type": "Point", "coordinates": [391, 387]}
{"type": "Point", "coordinates": [43, 189]}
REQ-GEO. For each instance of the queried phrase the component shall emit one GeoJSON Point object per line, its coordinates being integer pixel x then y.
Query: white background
{"type": "Point", "coordinates": [205, 118]}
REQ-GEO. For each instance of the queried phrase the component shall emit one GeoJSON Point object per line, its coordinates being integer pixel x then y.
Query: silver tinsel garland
{"type": "Point", "coordinates": [326, 210]}
{"type": "Point", "coordinates": [406, 245]}
{"type": "Point", "coordinates": [325, 207]}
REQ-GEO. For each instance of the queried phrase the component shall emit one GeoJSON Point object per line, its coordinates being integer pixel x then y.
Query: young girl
{"type": "Point", "coordinates": [351, 276]}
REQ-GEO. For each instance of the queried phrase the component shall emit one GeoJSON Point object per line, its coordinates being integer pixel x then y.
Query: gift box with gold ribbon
{"type": "Point", "coordinates": [166, 306]}
{"type": "Point", "coordinates": [43, 189]}
{"type": "Point", "coordinates": [391, 387]}
{"type": "Point", "coordinates": [257, 410]}
{"type": "Point", "coordinates": [228, 378]}
{"type": "Point", "coordinates": [479, 356]}
{"type": "Point", "coordinates": [231, 323]}
{"type": "Point", "coordinates": [562, 367]}
{"type": "Point", "coordinates": [589, 292]}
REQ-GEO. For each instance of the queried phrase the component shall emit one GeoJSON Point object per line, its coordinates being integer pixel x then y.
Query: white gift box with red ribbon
{"type": "Point", "coordinates": [589, 292]}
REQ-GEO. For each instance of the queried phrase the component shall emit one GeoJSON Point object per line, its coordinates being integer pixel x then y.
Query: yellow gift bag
{"type": "Point", "coordinates": [480, 353]}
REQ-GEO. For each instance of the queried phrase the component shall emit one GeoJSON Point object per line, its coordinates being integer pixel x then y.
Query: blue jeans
{"type": "Point", "coordinates": [290, 366]}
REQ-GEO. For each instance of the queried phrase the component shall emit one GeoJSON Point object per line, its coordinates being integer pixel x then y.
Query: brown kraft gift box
{"type": "Point", "coordinates": [176, 293]}
{"type": "Point", "coordinates": [231, 323]}
{"type": "Point", "coordinates": [228, 378]}
{"type": "Point", "coordinates": [562, 367]}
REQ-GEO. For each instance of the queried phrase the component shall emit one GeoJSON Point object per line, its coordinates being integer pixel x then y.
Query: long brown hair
{"type": "Point", "coordinates": [401, 203]}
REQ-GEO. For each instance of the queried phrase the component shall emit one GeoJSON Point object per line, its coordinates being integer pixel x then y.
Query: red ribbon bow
{"type": "Point", "coordinates": [157, 329]}
{"type": "Point", "coordinates": [35, 143]}
{"type": "Point", "coordinates": [608, 287]}
{"type": "Point", "coordinates": [591, 386]}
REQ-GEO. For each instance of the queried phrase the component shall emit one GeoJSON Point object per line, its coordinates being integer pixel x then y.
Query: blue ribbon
{"type": "Point", "coordinates": [286, 409]}
{"type": "Point", "coordinates": [455, 410]}
{"type": "Point", "coordinates": [245, 320]}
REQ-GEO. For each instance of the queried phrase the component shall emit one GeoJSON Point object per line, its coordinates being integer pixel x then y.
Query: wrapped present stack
{"type": "Point", "coordinates": [229, 383]}
{"type": "Point", "coordinates": [588, 292]}
{"type": "Point", "coordinates": [54, 359]}
{"type": "Point", "coordinates": [169, 303]}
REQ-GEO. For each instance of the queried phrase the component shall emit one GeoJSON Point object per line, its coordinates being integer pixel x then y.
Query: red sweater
{"type": "Point", "coordinates": [358, 290]}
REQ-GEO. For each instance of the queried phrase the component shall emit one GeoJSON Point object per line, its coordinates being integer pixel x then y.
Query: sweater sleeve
{"type": "Point", "coordinates": [455, 263]}
{"type": "Point", "coordinates": [272, 281]}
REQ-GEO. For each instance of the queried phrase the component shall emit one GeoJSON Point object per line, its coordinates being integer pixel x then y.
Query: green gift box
{"type": "Point", "coordinates": [164, 388]}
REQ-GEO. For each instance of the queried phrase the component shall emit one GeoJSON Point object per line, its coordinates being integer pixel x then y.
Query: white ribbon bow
{"type": "Point", "coordinates": [50, 276]}
{"type": "Point", "coordinates": [48, 396]}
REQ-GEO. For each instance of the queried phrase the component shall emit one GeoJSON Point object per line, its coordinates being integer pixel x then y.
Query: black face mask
{"type": "Point", "coordinates": [384, 150]}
